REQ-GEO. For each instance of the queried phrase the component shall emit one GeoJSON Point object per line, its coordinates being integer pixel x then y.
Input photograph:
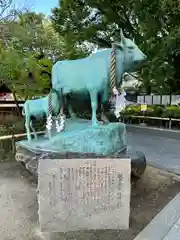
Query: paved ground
{"type": "Point", "coordinates": [18, 204]}
{"type": "Point", "coordinates": [162, 148]}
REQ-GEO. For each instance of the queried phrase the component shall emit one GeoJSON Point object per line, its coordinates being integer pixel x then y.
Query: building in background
{"type": "Point", "coordinates": [5, 93]}
{"type": "Point", "coordinates": [130, 82]}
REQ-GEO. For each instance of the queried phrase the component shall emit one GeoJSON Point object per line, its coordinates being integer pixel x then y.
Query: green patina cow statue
{"type": "Point", "coordinates": [90, 76]}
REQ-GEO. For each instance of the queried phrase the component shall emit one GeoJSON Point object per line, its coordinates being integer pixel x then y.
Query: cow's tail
{"type": "Point", "coordinates": [23, 111]}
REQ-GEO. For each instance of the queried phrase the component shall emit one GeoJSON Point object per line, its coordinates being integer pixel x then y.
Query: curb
{"type": "Point", "coordinates": [159, 227]}
{"type": "Point", "coordinates": [153, 128]}
{"type": "Point", "coordinates": [172, 171]}
{"type": "Point", "coordinates": [159, 132]}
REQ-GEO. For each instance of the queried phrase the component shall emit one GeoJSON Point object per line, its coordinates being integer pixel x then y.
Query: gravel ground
{"type": "Point", "coordinates": [18, 205]}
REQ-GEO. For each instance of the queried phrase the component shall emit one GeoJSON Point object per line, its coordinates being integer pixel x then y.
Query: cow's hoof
{"type": "Point", "coordinates": [105, 120]}
{"type": "Point", "coordinates": [95, 123]}
{"type": "Point", "coordinates": [73, 116]}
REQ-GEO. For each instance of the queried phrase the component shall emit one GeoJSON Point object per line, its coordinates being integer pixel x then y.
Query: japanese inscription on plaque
{"type": "Point", "coordinates": [84, 194]}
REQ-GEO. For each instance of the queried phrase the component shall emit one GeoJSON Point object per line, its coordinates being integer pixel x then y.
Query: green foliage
{"type": "Point", "coordinates": [172, 112]}
{"type": "Point", "coordinates": [10, 125]}
{"type": "Point", "coordinates": [132, 110]}
{"type": "Point", "coordinates": [153, 111]}
{"type": "Point", "coordinates": [27, 51]}
{"type": "Point", "coordinates": [15, 69]}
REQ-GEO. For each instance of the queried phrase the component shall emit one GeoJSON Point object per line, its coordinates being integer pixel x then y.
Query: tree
{"type": "Point", "coordinates": [26, 55]}
{"type": "Point", "coordinates": [28, 52]}
{"type": "Point", "coordinates": [8, 13]}
{"type": "Point", "coordinates": [154, 25]}
{"type": "Point", "coordinates": [7, 10]}
{"type": "Point", "coordinates": [15, 69]}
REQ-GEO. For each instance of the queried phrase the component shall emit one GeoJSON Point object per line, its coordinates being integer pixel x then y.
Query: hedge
{"type": "Point", "coordinates": [153, 111]}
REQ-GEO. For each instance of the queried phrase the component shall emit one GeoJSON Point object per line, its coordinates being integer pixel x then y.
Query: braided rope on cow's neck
{"type": "Point", "coordinates": [113, 68]}
{"type": "Point", "coordinates": [50, 104]}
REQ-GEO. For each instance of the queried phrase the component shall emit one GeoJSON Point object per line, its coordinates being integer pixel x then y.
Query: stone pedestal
{"type": "Point", "coordinates": [84, 194]}
{"type": "Point", "coordinates": [81, 140]}
{"type": "Point", "coordinates": [30, 158]}
{"type": "Point", "coordinates": [81, 137]}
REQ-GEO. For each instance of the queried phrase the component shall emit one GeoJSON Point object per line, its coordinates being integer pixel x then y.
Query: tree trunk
{"type": "Point", "coordinates": [17, 105]}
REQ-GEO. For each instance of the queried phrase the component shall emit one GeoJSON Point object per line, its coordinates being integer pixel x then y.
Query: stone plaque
{"type": "Point", "coordinates": [84, 194]}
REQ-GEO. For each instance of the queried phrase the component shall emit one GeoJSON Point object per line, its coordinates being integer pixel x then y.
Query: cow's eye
{"type": "Point", "coordinates": [119, 47]}
{"type": "Point", "coordinates": [131, 48]}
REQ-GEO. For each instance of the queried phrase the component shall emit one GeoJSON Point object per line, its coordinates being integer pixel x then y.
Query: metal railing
{"type": "Point", "coordinates": [143, 118]}
{"type": "Point", "coordinates": [8, 145]}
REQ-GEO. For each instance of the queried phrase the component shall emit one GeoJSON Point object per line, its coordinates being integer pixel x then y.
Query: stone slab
{"type": "Point", "coordinates": [80, 136]}
{"type": "Point", "coordinates": [84, 194]}
{"type": "Point", "coordinates": [159, 227]}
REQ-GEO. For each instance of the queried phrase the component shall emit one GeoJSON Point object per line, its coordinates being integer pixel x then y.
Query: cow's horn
{"type": "Point", "coordinates": [121, 34]}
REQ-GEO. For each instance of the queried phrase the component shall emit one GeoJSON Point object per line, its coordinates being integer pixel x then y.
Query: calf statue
{"type": "Point", "coordinates": [91, 76]}
{"type": "Point", "coordinates": [38, 108]}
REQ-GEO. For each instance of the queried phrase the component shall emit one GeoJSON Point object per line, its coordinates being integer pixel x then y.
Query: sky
{"type": "Point", "coordinates": [38, 6]}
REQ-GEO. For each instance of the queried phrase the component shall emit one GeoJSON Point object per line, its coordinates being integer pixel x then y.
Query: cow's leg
{"type": "Point", "coordinates": [27, 124]}
{"type": "Point", "coordinates": [71, 112]}
{"type": "Point", "coordinates": [34, 131]}
{"type": "Point", "coordinates": [104, 98]}
{"type": "Point", "coordinates": [94, 102]}
{"type": "Point", "coordinates": [103, 116]}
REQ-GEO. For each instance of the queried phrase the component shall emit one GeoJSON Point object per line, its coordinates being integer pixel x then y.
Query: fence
{"type": "Point", "coordinates": [9, 109]}
{"type": "Point", "coordinates": [159, 99]}
{"type": "Point", "coordinates": [166, 123]}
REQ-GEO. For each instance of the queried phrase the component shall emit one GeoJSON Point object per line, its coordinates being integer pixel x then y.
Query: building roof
{"type": "Point", "coordinates": [4, 88]}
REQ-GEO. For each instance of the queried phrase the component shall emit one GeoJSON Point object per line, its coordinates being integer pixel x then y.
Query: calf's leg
{"type": "Point", "coordinates": [34, 131]}
{"type": "Point", "coordinates": [27, 124]}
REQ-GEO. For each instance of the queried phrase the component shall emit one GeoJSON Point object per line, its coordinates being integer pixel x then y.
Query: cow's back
{"type": "Point", "coordinates": [79, 75]}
